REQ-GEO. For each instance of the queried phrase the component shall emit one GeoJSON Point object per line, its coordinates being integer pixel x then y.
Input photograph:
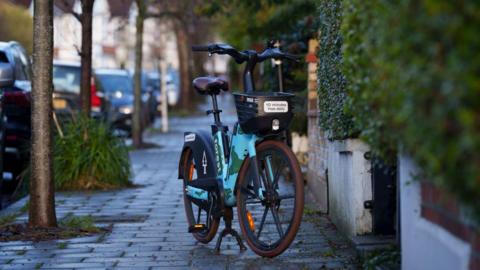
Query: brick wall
{"type": "Point", "coordinates": [441, 208]}
{"type": "Point", "coordinates": [317, 143]}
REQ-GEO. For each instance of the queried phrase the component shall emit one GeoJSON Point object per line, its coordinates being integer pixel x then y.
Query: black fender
{"type": "Point", "coordinates": [201, 144]}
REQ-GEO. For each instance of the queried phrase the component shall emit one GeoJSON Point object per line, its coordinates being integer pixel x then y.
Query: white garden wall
{"type": "Point", "coordinates": [349, 186]}
{"type": "Point", "coordinates": [425, 245]}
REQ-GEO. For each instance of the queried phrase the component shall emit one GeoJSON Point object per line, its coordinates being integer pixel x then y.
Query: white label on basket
{"type": "Point", "coordinates": [275, 106]}
{"type": "Point", "coordinates": [190, 137]}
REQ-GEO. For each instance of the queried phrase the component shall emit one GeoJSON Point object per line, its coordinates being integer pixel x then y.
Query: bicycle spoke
{"type": "Point", "coordinates": [277, 221]}
{"type": "Point", "coordinates": [247, 192]}
{"type": "Point", "coordinates": [265, 212]}
{"type": "Point", "coordinates": [264, 177]}
{"type": "Point", "coordinates": [198, 215]}
{"type": "Point", "coordinates": [277, 174]}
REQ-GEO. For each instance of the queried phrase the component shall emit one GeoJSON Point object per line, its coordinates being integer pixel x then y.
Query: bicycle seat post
{"type": "Point", "coordinates": [215, 111]}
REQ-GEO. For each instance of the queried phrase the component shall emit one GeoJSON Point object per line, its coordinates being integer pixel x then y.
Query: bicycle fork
{"type": "Point", "coordinates": [255, 166]}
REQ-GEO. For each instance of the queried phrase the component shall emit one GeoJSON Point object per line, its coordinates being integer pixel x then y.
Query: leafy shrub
{"type": "Point", "coordinates": [89, 156]}
{"type": "Point", "coordinates": [331, 82]}
{"type": "Point", "coordinates": [406, 74]}
{"type": "Point", "coordinates": [368, 100]}
{"type": "Point", "coordinates": [383, 259]}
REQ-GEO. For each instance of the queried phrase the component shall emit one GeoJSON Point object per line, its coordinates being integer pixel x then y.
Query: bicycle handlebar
{"type": "Point", "coordinates": [199, 48]}
{"type": "Point", "coordinates": [275, 53]}
{"type": "Point", "coordinates": [244, 56]}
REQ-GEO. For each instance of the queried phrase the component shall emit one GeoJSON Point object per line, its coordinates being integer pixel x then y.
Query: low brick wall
{"type": "Point", "coordinates": [439, 207]}
{"type": "Point", "coordinates": [434, 232]}
{"type": "Point", "coordinates": [317, 165]}
{"type": "Point", "coordinates": [317, 142]}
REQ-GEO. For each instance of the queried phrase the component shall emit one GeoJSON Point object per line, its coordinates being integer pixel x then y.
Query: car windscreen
{"type": "Point", "coordinates": [66, 79]}
{"type": "Point", "coordinates": [110, 83]}
{"type": "Point", "coordinates": [3, 57]}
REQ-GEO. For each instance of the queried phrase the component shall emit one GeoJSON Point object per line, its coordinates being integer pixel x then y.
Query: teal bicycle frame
{"type": "Point", "coordinates": [241, 146]}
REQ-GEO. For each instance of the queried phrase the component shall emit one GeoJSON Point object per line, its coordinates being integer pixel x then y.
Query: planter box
{"type": "Point", "coordinates": [349, 186]}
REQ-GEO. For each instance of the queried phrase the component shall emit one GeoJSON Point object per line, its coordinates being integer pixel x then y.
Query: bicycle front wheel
{"type": "Point", "coordinates": [270, 221]}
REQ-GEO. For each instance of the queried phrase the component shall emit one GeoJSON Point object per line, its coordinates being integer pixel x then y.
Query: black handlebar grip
{"type": "Point", "coordinates": [200, 48]}
{"type": "Point", "coordinates": [292, 57]}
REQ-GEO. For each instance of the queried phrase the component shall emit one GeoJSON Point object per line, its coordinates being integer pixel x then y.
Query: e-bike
{"type": "Point", "coordinates": [250, 168]}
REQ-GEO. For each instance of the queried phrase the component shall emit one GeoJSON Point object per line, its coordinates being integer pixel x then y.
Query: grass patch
{"type": "Point", "coordinates": [328, 254]}
{"type": "Point", "coordinates": [81, 223]}
{"type": "Point", "coordinates": [88, 156]}
{"type": "Point", "coordinates": [385, 259]}
{"type": "Point", "coordinates": [71, 226]}
{"type": "Point", "coordinates": [38, 265]}
{"type": "Point", "coordinates": [62, 245]}
{"type": "Point", "coordinates": [8, 219]}
{"type": "Point", "coordinates": [25, 208]}
{"type": "Point", "coordinates": [309, 211]}
{"type": "Point", "coordinates": [21, 252]}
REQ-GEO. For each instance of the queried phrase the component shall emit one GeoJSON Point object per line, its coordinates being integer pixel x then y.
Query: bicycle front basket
{"type": "Point", "coordinates": [264, 113]}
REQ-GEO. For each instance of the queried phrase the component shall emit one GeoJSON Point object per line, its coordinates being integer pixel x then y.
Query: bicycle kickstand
{"type": "Point", "coordinates": [227, 218]}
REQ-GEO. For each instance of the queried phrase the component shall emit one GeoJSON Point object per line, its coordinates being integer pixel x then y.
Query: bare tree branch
{"type": "Point", "coordinates": [76, 15]}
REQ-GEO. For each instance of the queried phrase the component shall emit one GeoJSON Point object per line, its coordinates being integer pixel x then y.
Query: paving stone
{"type": "Point", "coordinates": [81, 265]}
{"type": "Point", "coordinates": [47, 260]}
{"type": "Point", "coordinates": [27, 266]}
{"type": "Point", "coordinates": [149, 227]}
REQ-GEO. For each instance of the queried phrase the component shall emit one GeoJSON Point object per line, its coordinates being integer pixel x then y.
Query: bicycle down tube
{"type": "Point", "coordinates": [241, 145]}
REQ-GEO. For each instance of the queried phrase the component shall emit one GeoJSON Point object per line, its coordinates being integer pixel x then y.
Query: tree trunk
{"type": "Point", "coordinates": [137, 119]}
{"type": "Point", "coordinates": [42, 200]}
{"type": "Point", "coordinates": [183, 47]}
{"type": "Point", "coordinates": [86, 56]}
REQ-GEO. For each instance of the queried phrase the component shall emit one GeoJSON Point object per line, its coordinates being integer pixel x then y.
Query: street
{"type": "Point", "coordinates": [150, 229]}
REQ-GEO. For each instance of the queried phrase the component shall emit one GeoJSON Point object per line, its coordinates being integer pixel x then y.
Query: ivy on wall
{"type": "Point", "coordinates": [406, 73]}
{"type": "Point", "coordinates": [333, 118]}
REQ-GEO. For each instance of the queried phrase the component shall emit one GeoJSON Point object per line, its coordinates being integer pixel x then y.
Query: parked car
{"type": "Point", "coordinates": [151, 93]}
{"type": "Point", "coordinates": [173, 91]}
{"type": "Point", "coordinates": [17, 110]}
{"type": "Point", "coordinates": [117, 86]}
{"type": "Point", "coordinates": [6, 81]}
{"type": "Point", "coordinates": [66, 92]}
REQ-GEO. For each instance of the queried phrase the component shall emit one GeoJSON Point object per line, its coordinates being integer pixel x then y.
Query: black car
{"type": "Point", "coordinates": [151, 94]}
{"type": "Point", "coordinates": [6, 81]}
{"type": "Point", "coordinates": [117, 86]}
{"type": "Point", "coordinates": [66, 92]}
{"type": "Point", "coordinates": [17, 111]}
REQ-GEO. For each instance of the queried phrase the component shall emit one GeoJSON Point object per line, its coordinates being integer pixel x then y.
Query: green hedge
{"type": "Point", "coordinates": [331, 81]}
{"type": "Point", "coordinates": [412, 80]}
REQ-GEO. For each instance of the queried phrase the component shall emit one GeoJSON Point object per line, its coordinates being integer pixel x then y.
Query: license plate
{"type": "Point", "coordinates": [275, 106]}
{"type": "Point", "coordinates": [59, 104]}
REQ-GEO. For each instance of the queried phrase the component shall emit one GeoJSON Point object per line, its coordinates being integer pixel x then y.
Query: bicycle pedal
{"type": "Point", "coordinates": [197, 228]}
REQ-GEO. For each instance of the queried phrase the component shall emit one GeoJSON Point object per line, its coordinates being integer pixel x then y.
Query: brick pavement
{"type": "Point", "coordinates": [150, 231]}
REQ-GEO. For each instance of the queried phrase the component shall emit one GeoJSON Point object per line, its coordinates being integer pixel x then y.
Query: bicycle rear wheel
{"type": "Point", "coordinates": [195, 214]}
{"type": "Point", "coordinates": [270, 224]}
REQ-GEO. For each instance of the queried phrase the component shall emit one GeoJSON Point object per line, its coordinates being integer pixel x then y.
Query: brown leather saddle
{"type": "Point", "coordinates": [210, 85]}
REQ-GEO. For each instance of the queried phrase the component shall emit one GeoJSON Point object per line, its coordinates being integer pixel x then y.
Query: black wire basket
{"type": "Point", "coordinates": [264, 113]}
